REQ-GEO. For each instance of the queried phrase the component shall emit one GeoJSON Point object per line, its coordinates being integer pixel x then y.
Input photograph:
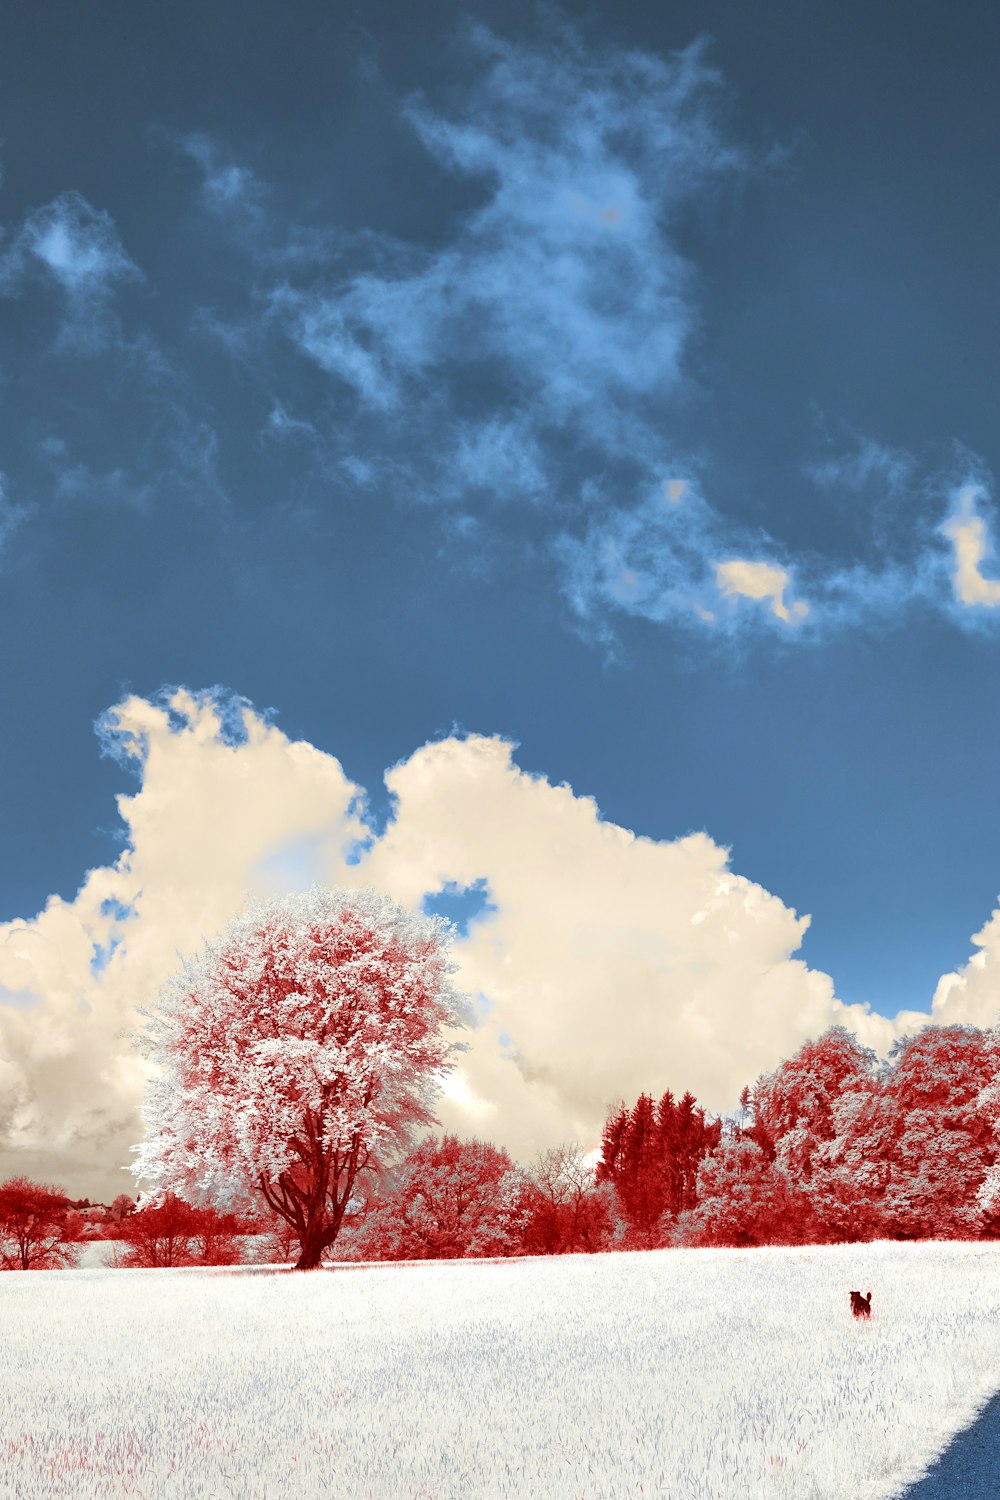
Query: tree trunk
{"type": "Point", "coordinates": [312, 1247]}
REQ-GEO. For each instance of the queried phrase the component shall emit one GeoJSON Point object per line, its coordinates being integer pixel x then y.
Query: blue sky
{"type": "Point", "coordinates": [621, 380]}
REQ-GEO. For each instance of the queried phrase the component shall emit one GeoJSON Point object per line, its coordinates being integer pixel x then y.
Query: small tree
{"type": "Point", "coordinates": [450, 1198]}
{"type": "Point", "coordinates": [32, 1227]}
{"type": "Point", "coordinates": [302, 1046]}
{"type": "Point", "coordinates": [122, 1206]}
{"type": "Point", "coordinates": [74, 1227]}
{"type": "Point", "coordinates": [214, 1239]}
{"type": "Point", "coordinates": [158, 1235]}
{"type": "Point", "coordinates": [567, 1210]}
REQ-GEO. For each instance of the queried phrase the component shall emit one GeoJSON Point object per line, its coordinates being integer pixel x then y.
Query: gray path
{"type": "Point", "coordinates": [969, 1468]}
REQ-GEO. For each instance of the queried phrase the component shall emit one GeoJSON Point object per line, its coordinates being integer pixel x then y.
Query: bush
{"type": "Point", "coordinates": [175, 1233]}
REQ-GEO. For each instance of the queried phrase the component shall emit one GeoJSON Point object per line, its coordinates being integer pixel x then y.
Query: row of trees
{"type": "Point", "coordinates": [446, 1198]}
{"type": "Point", "coordinates": [834, 1146]}
{"type": "Point", "coordinates": [41, 1229]}
{"type": "Point", "coordinates": [830, 1146]}
{"type": "Point", "coordinates": [296, 1057]}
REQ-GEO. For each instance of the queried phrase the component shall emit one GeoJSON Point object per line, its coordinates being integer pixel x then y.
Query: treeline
{"type": "Point", "coordinates": [831, 1146]}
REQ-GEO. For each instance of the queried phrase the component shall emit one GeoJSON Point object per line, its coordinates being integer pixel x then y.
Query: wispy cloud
{"type": "Point", "coordinates": [866, 462]}
{"type": "Point", "coordinates": [179, 457]}
{"type": "Point", "coordinates": [672, 559]}
{"type": "Point", "coordinates": [77, 249]}
{"type": "Point", "coordinates": [280, 425]}
{"type": "Point", "coordinates": [75, 481]}
{"type": "Point", "coordinates": [228, 189]}
{"type": "Point", "coordinates": [531, 351]}
{"type": "Point", "coordinates": [11, 515]}
{"type": "Point", "coordinates": [557, 310]}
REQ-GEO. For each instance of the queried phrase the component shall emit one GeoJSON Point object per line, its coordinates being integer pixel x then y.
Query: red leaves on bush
{"type": "Point", "coordinates": [175, 1233]}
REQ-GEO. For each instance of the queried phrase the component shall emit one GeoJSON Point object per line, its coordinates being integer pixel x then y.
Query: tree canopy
{"type": "Point", "coordinates": [297, 1051]}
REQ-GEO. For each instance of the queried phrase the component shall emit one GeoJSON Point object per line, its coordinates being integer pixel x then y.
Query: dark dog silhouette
{"type": "Point", "coordinates": [861, 1307]}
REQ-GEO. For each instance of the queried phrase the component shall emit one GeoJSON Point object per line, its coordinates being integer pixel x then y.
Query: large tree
{"type": "Point", "coordinates": [807, 1114]}
{"type": "Point", "coordinates": [941, 1146]}
{"type": "Point", "coordinates": [294, 1054]}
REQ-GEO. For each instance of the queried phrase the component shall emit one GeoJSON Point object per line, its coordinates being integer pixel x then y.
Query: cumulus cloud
{"type": "Point", "coordinates": [602, 962]}
{"type": "Point", "coordinates": [612, 962]}
{"type": "Point", "coordinates": [222, 794]}
{"type": "Point", "coordinates": [972, 992]}
{"type": "Point", "coordinates": [970, 536]}
{"type": "Point", "coordinates": [77, 249]}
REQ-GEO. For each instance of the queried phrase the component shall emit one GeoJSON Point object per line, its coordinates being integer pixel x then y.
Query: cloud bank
{"type": "Point", "coordinates": [601, 963]}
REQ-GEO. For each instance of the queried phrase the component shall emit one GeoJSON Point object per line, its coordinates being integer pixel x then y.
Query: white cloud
{"type": "Point", "coordinates": [761, 581]}
{"type": "Point", "coordinates": [202, 829]}
{"type": "Point", "coordinates": [972, 993]}
{"type": "Point", "coordinates": [968, 532]}
{"type": "Point", "coordinates": [613, 963]}
{"type": "Point", "coordinates": [78, 245]}
{"type": "Point", "coordinates": [657, 561]}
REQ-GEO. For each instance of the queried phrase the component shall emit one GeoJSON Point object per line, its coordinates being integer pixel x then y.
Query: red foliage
{"type": "Point", "coordinates": [295, 1051]}
{"type": "Point", "coordinates": [651, 1155]}
{"type": "Point", "coordinates": [567, 1211]}
{"type": "Point", "coordinates": [941, 1143]}
{"type": "Point", "coordinates": [743, 1199]}
{"type": "Point", "coordinates": [32, 1227]}
{"type": "Point", "coordinates": [175, 1233]}
{"type": "Point", "coordinates": [816, 1111]}
{"type": "Point", "coordinates": [859, 1151]}
{"type": "Point", "coordinates": [448, 1198]}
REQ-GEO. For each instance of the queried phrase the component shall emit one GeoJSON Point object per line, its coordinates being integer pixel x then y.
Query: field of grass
{"type": "Point", "coordinates": [675, 1374]}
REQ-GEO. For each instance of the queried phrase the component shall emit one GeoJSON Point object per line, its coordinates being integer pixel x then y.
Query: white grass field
{"type": "Point", "coordinates": [709, 1374]}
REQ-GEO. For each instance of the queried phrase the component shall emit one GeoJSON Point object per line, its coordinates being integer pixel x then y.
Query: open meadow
{"type": "Point", "coordinates": [675, 1374]}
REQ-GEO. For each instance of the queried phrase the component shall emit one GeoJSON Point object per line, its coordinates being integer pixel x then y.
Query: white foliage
{"type": "Point", "coordinates": [324, 1004]}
